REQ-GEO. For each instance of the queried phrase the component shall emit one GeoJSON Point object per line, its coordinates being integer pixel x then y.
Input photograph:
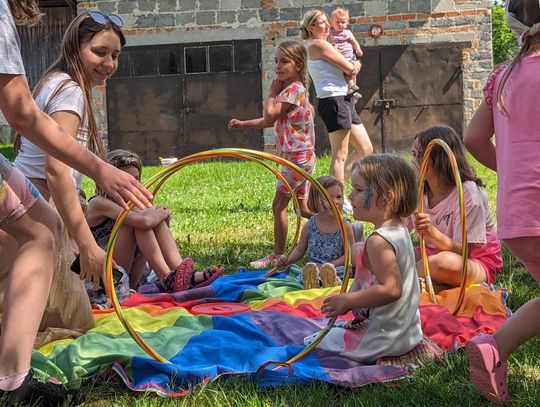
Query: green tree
{"type": "Point", "coordinates": [504, 43]}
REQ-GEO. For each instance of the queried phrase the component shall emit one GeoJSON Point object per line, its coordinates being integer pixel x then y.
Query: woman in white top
{"type": "Point", "coordinates": [326, 67]}
{"type": "Point", "coordinates": [28, 219]}
{"type": "Point", "coordinates": [88, 57]}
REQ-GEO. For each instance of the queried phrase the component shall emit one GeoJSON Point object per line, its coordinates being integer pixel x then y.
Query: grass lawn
{"type": "Point", "coordinates": [222, 215]}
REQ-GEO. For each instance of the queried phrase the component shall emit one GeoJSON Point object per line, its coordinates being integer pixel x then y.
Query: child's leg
{"type": "Point", "coordinates": [351, 80]}
{"type": "Point", "coordinates": [149, 246]}
{"type": "Point", "coordinates": [167, 245]}
{"type": "Point", "coordinates": [279, 208]}
{"type": "Point", "coordinates": [37, 232]}
{"type": "Point", "coordinates": [137, 271]}
{"type": "Point", "coordinates": [445, 268]}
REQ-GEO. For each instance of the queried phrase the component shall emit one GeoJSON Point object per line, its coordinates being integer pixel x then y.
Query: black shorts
{"type": "Point", "coordinates": [337, 113]}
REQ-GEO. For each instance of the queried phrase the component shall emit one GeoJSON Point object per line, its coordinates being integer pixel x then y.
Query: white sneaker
{"type": "Point", "coordinates": [347, 207]}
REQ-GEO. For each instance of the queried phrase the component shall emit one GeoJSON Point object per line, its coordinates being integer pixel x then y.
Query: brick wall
{"type": "Point", "coordinates": [150, 22]}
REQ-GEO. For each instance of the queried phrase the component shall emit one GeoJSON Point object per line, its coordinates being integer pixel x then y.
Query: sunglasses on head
{"type": "Point", "coordinates": [101, 18]}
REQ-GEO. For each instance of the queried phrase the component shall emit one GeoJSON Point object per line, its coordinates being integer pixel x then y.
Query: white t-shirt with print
{"type": "Point", "coordinates": [31, 159]}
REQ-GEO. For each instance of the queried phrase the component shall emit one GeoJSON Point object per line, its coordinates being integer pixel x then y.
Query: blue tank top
{"type": "Point", "coordinates": [323, 247]}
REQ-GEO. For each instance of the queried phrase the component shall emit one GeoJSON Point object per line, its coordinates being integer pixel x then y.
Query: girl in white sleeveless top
{"type": "Point", "coordinates": [385, 295]}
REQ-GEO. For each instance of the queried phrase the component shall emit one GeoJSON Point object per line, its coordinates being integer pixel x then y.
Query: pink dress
{"type": "Point", "coordinates": [481, 231]}
{"type": "Point", "coordinates": [517, 136]}
{"type": "Point", "coordinates": [295, 132]}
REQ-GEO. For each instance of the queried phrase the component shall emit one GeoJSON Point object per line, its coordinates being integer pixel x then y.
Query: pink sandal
{"type": "Point", "coordinates": [488, 372]}
{"type": "Point", "coordinates": [210, 274]}
{"type": "Point", "coordinates": [184, 272]}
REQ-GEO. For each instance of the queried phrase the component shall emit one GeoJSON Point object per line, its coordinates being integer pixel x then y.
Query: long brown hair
{"type": "Point", "coordinates": [25, 12]}
{"type": "Point", "coordinates": [81, 30]}
{"type": "Point", "coordinates": [297, 53]}
{"type": "Point", "coordinates": [439, 159]}
{"type": "Point", "coordinates": [530, 43]}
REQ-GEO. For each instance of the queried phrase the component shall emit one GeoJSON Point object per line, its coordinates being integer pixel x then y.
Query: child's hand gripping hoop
{"type": "Point", "coordinates": [257, 157]}
{"type": "Point", "coordinates": [465, 246]}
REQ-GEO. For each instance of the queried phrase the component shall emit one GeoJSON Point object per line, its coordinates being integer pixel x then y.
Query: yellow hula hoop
{"type": "Point", "coordinates": [249, 155]}
{"type": "Point", "coordinates": [462, 216]}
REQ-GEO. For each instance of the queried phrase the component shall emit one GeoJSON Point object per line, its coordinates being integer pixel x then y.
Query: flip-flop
{"type": "Point", "coordinates": [215, 273]}
{"type": "Point", "coordinates": [184, 272]}
{"type": "Point", "coordinates": [488, 372]}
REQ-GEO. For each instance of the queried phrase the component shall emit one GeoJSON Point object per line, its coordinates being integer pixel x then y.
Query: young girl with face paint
{"type": "Point", "coordinates": [440, 223]}
{"type": "Point", "coordinates": [385, 295]}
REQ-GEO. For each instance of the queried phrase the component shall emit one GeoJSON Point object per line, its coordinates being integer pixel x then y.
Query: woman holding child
{"type": "Point", "coordinates": [327, 68]}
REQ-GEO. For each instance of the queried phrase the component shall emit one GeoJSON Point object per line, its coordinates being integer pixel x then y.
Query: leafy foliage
{"type": "Point", "coordinates": [504, 43]}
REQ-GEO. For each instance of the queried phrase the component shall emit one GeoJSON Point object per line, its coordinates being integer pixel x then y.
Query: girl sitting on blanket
{"type": "Point", "coordinates": [321, 238]}
{"type": "Point", "coordinates": [440, 223]}
{"type": "Point", "coordinates": [144, 237]}
{"type": "Point", "coordinates": [385, 295]}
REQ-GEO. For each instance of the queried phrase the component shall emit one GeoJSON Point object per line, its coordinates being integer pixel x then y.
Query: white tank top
{"type": "Point", "coordinates": [327, 79]}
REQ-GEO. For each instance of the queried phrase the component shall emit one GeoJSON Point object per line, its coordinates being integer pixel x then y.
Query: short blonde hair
{"type": "Point", "coordinates": [341, 13]}
{"type": "Point", "coordinates": [310, 18]}
{"type": "Point", "coordinates": [315, 197]}
{"type": "Point", "coordinates": [393, 179]}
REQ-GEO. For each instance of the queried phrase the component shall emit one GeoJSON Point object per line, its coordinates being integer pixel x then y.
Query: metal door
{"type": "Point", "coordinates": [406, 89]}
{"type": "Point", "coordinates": [40, 44]}
{"type": "Point", "coordinates": [175, 100]}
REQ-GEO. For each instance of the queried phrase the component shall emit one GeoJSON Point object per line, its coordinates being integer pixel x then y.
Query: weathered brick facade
{"type": "Point", "coordinates": [272, 21]}
{"type": "Point", "coordinates": [149, 22]}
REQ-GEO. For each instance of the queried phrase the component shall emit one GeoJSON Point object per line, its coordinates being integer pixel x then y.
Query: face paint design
{"type": "Point", "coordinates": [368, 197]}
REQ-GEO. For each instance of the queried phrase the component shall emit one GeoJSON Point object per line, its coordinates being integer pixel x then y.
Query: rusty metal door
{"type": "Point", "coordinates": [406, 89]}
{"type": "Point", "coordinates": [419, 86]}
{"type": "Point", "coordinates": [175, 100]}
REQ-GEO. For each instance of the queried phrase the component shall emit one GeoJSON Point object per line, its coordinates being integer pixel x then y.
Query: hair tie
{"type": "Point", "coordinates": [530, 32]}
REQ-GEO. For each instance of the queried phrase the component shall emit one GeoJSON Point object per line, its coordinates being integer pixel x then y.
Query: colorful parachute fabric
{"type": "Point", "coordinates": [202, 347]}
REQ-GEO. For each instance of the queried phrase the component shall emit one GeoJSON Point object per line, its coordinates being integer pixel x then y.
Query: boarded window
{"type": "Point", "coordinates": [246, 56]}
{"type": "Point", "coordinates": [195, 59]}
{"type": "Point", "coordinates": [144, 62]}
{"type": "Point", "coordinates": [169, 61]}
{"type": "Point", "coordinates": [220, 58]}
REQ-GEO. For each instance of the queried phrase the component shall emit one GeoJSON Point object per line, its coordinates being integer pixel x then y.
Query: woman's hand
{"type": "Point", "coordinates": [235, 124]}
{"type": "Point", "coordinates": [336, 305]}
{"type": "Point", "coordinates": [122, 187]}
{"type": "Point", "coordinates": [357, 66]}
{"type": "Point", "coordinates": [93, 260]}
